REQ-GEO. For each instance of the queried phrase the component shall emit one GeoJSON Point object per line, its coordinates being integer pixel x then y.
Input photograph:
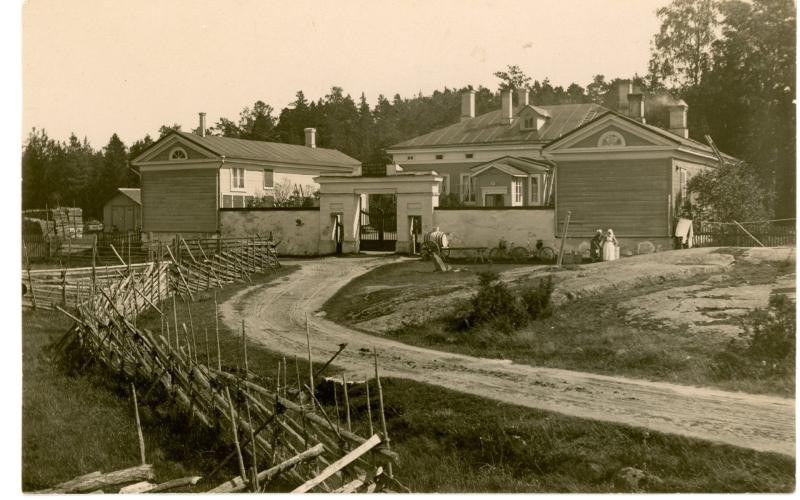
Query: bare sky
{"type": "Point", "coordinates": [95, 67]}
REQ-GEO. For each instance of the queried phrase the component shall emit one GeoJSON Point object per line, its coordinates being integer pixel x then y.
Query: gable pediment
{"type": "Point", "coordinates": [163, 150]}
{"type": "Point", "coordinates": [610, 132]}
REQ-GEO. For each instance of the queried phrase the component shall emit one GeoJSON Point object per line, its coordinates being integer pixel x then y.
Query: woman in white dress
{"type": "Point", "coordinates": [610, 246]}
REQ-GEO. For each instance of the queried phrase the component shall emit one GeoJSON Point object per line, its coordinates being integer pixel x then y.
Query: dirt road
{"type": "Point", "coordinates": [275, 316]}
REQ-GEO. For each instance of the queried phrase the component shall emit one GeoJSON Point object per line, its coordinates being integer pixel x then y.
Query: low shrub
{"type": "Point", "coordinates": [770, 333]}
{"type": "Point", "coordinates": [767, 346]}
{"type": "Point", "coordinates": [537, 299]}
{"type": "Point", "coordinates": [496, 304]}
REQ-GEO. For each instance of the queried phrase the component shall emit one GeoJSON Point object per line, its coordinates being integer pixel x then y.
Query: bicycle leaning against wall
{"type": "Point", "coordinates": [519, 254]}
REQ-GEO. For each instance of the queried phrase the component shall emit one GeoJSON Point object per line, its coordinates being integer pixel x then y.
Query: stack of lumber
{"type": "Point", "coordinates": [68, 222]}
{"type": "Point", "coordinates": [64, 222]}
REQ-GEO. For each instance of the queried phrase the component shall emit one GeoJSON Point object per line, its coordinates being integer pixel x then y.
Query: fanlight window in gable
{"type": "Point", "coordinates": [611, 139]}
{"type": "Point", "coordinates": [178, 154]}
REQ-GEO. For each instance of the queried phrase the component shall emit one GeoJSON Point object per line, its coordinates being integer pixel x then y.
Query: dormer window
{"type": "Point", "coordinates": [529, 123]}
{"type": "Point", "coordinates": [178, 154]}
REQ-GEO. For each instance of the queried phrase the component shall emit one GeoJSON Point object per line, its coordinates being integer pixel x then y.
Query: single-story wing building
{"type": "Point", "coordinates": [187, 178]}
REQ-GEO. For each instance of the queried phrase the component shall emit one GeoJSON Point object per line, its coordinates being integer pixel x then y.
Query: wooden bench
{"type": "Point", "coordinates": [481, 254]}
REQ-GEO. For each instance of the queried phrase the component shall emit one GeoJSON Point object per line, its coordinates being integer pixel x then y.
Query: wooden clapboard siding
{"type": "Point", "coordinates": [179, 200]}
{"type": "Point", "coordinates": [629, 196]}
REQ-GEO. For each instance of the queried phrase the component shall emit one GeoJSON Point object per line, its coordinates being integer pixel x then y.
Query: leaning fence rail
{"type": "Point", "coordinates": [277, 430]}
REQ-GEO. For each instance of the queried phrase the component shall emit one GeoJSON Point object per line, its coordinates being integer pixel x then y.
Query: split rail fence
{"type": "Point", "coordinates": [278, 430]}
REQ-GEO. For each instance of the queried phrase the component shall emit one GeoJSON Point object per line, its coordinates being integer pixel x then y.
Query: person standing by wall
{"type": "Point", "coordinates": [596, 245]}
{"type": "Point", "coordinates": [610, 246]}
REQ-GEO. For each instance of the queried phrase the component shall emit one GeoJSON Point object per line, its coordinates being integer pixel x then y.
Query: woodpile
{"type": "Point", "coordinates": [280, 434]}
{"type": "Point", "coordinates": [65, 222]}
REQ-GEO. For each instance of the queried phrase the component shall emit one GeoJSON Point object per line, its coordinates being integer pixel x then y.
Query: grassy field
{"type": "Point", "coordinates": [448, 442]}
{"type": "Point", "coordinates": [591, 334]}
{"type": "Point", "coordinates": [73, 424]}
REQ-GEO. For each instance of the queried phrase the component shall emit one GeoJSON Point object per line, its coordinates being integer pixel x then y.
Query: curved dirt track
{"type": "Point", "coordinates": [275, 316]}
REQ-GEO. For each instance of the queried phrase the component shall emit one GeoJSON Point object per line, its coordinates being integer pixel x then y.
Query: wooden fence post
{"type": "Point", "coordinates": [563, 239]}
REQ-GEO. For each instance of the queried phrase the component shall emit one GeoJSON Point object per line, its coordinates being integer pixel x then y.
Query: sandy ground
{"type": "Point", "coordinates": [276, 315]}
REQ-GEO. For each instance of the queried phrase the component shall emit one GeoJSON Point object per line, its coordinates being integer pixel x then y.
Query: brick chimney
{"type": "Point", "coordinates": [467, 104]}
{"type": "Point", "coordinates": [636, 107]}
{"type": "Point", "coordinates": [624, 87]}
{"type": "Point", "coordinates": [311, 137]}
{"type": "Point", "coordinates": [522, 97]}
{"type": "Point", "coordinates": [202, 124]}
{"type": "Point", "coordinates": [507, 109]}
{"type": "Point", "coordinates": [677, 119]}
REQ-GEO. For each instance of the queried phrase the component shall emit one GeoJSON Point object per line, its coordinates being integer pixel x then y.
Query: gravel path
{"type": "Point", "coordinates": [275, 315]}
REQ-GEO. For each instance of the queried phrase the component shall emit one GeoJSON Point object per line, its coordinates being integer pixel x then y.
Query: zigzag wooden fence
{"type": "Point", "coordinates": [278, 430]}
{"type": "Point", "coordinates": [184, 270]}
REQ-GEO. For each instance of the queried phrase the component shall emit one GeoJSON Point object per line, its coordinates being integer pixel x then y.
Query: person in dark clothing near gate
{"type": "Point", "coordinates": [338, 234]}
{"type": "Point", "coordinates": [596, 245]}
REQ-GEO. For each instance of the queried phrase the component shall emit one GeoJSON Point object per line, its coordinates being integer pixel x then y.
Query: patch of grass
{"type": "Point", "coordinates": [76, 424]}
{"type": "Point", "coordinates": [590, 334]}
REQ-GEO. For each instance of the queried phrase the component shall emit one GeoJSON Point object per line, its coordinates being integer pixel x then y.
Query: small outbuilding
{"type": "Point", "coordinates": [123, 212]}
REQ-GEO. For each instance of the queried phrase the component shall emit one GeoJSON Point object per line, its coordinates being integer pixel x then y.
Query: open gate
{"type": "Point", "coordinates": [378, 229]}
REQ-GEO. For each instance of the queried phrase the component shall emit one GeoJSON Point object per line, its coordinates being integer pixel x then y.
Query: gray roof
{"type": "Point", "coordinates": [271, 151]}
{"type": "Point", "coordinates": [134, 194]}
{"type": "Point", "coordinates": [489, 128]}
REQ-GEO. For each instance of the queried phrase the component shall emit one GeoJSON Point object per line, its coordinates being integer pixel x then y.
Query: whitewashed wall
{"type": "Point", "coordinates": [297, 230]}
{"type": "Point", "coordinates": [481, 227]}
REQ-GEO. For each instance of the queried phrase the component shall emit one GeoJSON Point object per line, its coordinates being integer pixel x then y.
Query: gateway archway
{"type": "Point", "coordinates": [367, 220]}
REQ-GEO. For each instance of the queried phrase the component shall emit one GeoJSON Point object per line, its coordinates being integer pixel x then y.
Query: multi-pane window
{"type": "Point", "coordinates": [468, 187]}
{"type": "Point", "coordinates": [536, 186]}
{"type": "Point", "coordinates": [269, 180]}
{"type": "Point", "coordinates": [237, 178]}
{"type": "Point", "coordinates": [445, 184]}
{"type": "Point", "coordinates": [529, 123]}
{"type": "Point", "coordinates": [518, 190]}
{"type": "Point", "coordinates": [684, 183]}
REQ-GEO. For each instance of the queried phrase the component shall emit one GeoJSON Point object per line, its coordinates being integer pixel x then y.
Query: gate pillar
{"type": "Point", "coordinates": [413, 204]}
{"type": "Point", "coordinates": [344, 208]}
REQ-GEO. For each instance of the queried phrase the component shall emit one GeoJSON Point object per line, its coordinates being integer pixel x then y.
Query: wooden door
{"type": "Point", "coordinates": [494, 200]}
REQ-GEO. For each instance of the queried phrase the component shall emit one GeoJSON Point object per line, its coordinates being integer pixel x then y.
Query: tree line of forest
{"type": "Point", "coordinates": [732, 61]}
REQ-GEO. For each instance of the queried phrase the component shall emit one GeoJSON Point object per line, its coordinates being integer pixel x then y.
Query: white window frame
{"type": "Point", "coordinates": [469, 194]}
{"type": "Point", "coordinates": [234, 184]}
{"type": "Point", "coordinates": [445, 184]}
{"type": "Point", "coordinates": [517, 195]}
{"type": "Point", "coordinates": [683, 181]}
{"type": "Point", "coordinates": [535, 196]}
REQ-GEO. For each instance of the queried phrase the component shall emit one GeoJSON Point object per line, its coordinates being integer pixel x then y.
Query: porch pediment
{"type": "Point", "coordinates": [512, 165]}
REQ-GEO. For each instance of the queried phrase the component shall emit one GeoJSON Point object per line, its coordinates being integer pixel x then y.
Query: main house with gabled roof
{"type": "Point", "coordinates": [516, 132]}
{"type": "Point", "coordinates": [187, 178]}
{"type": "Point", "coordinates": [608, 168]}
